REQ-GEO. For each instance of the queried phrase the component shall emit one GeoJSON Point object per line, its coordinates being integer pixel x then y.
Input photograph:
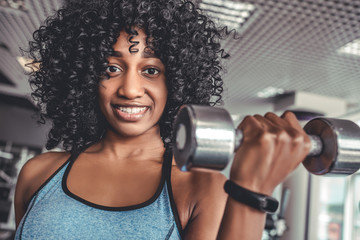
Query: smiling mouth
{"type": "Point", "coordinates": [129, 113]}
{"type": "Point", "coordinates": [131, 110]}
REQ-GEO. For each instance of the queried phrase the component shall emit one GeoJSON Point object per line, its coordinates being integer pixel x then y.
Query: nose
{"type": "Point", "coordinates": [131, 86]}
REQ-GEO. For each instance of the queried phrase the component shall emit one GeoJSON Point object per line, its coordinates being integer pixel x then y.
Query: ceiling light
{"type": "Point", "coordinates": [270, 92]}
{"type": "Point", "coordinates": [229, 13]}
{"type": "Point", "coordinates": [13, 4]}
{"type": "Point", "coordinates": [231, 18]}
{"type": "Point", "coordinates": [352, 47]}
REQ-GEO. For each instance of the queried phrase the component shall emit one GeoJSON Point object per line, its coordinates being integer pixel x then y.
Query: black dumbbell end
{"type": "Point", "coordinates": [340, 152]}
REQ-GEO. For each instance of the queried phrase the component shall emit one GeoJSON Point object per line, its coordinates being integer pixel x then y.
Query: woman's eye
{"type": "Point", "coordinates": [151, 71]}
{"type": "Point", "coordinates": [112, 69]}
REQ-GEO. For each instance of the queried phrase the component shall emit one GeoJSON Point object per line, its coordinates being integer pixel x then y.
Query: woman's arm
{"type": "Point", "coordinates": [271, 149]}
{"type": "Point", "coordinates": [19, 200]}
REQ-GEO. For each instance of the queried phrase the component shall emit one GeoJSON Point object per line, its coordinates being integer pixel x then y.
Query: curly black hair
{"type": "Point", "coordinates": [71, 51]}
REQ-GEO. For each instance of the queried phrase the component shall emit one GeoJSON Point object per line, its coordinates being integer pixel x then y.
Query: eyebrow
{"type": "Point", "coordinates": [144, 54]}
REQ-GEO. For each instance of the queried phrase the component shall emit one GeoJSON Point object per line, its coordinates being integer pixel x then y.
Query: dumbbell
{"type": "Point", "coordinates": [205, 137]}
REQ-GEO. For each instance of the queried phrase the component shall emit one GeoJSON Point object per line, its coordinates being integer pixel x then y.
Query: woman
{"type": "Point", "coordinates": [112, 75]}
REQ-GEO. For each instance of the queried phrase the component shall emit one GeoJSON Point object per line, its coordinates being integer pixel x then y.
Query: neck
{"type": "Point", "coordinates": [145, 146]}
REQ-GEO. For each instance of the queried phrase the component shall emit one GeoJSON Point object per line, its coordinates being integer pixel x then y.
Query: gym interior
{"type": "Point", "coordinates": [297, 55]}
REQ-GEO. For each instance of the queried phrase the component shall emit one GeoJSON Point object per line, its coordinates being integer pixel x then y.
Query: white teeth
{"type": "Point", "coordinates": [132, 110]}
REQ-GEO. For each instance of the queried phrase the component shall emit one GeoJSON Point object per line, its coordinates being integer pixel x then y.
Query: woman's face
{"type": "Point", "coordinates": [133, 98]}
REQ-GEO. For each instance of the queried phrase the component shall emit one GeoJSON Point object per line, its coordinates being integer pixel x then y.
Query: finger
{"type": "Point", "coordinates": [298, 130]}
{"type": "Point", "coordinates": [292, 120]}
{"type": "Point", "coordinates": [287, 121]}
{"type": "Point", "coordinates": [275, 119]}
{"type": "Point", "coordinates": [250, 122]}
{"type": "Point", "coordinates": [271, 125]}
{"type": "Point", "coordinates": [290, 124]}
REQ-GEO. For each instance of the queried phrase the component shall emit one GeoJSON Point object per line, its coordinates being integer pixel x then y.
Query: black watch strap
{"type": "Point", "coordinates": [255, 200]}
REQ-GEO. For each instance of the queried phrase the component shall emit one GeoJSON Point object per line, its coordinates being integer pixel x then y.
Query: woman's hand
{"type": "Point", "coordinates": [272, 147]}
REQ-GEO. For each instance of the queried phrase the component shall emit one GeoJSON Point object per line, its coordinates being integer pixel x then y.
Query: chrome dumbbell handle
{"type": "Point", "coordinates": [316, 146]}
{"type": "Point", "coordinates": [315, 141]}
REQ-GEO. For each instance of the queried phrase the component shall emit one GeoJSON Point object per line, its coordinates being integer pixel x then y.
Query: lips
{"type": "Point", "coordinates": [129, 113]}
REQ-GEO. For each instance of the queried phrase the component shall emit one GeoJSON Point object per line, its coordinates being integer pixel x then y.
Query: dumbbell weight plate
{"type": "Point", "coordinates": [205, 137]}
{"type": "Point", "coordinates": [341, 146]}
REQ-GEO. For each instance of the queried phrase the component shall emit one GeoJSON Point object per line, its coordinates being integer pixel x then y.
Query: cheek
{"type": "Point", "coordinates": [102, 98]}
{"type": "Point", "coordinates": [105, 89]}
{"type": "Point", "coordinates": [158, 92]}
{"type": "Point", "coordinates": [163, 94]}
{"type": "Point", "coordinates": [164, 90]}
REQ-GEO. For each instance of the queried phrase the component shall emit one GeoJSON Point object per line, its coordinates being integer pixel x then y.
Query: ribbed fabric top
{"type": "Point", "coordinates": [55, 213]}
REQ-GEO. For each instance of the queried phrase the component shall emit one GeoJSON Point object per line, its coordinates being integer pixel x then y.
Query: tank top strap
{"type": "Point", "coordinates": [167, 161]}
{"type": "Point", "coordinates": [167, 166]}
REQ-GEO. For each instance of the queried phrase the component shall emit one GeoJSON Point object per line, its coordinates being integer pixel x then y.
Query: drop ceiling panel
{"type": "Point", "coordinates": [288, 44]}
{"type": "Point", "coordinates": [293, 45]}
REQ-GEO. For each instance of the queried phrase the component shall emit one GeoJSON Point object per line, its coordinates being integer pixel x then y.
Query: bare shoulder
{"type": "Point", "coordinates": [201, 181]}
{"type": "Point", "coordinates": [207, 191]}
{"type": "Point", "coordinates": [46, 160]}
{"type": "Point", "coordinates": [32, 175]}
{"type": "Point", "coordinates": [208, 186]}
{"type": "Point", "coordinates": [37, 170]}
{"type": "Point", "coordinates": [201, 200]}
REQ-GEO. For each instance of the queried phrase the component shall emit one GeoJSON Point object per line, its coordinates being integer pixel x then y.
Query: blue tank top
{"type": "Point", "coordinates": [55, 213]}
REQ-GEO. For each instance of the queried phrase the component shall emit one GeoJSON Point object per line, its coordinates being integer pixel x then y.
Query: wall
{"type": "Point", "coordinates": [19, 126]}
